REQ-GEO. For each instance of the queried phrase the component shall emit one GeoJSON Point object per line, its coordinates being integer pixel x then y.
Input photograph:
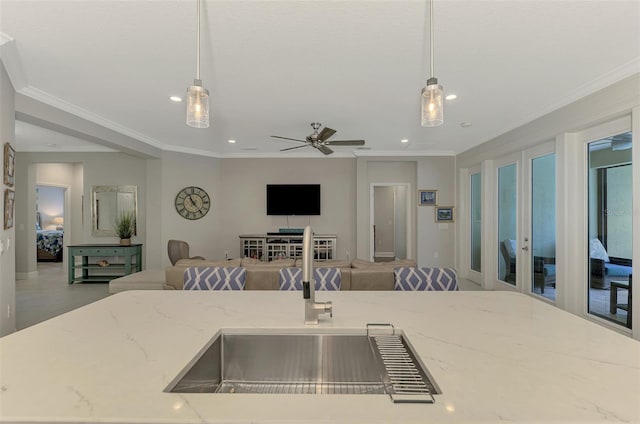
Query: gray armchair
{"type": "Point", "coordinates": [179, 249]}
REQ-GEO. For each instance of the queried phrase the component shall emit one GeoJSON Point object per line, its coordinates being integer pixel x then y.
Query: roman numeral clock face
{"type": "Point", "coordinates": [192, 203]}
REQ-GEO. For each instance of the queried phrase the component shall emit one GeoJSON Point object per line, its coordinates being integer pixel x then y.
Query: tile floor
{"type": "Point", "coordinates": [49, 295]}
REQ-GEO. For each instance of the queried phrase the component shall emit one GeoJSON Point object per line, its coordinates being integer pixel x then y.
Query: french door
{"type": "Point", "coordinates": [538, 250]}
{"type": "Point", "coordinates": [508, 212]}
{"type": "Point", "coordinates": [526, 222]}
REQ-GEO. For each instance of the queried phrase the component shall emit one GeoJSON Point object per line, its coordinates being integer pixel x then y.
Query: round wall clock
{"type": "Point", "coordinates": [192, 203]}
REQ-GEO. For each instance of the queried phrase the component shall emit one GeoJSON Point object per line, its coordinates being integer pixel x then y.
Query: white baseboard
{"type": "Point", "coordinates": [26, 275]}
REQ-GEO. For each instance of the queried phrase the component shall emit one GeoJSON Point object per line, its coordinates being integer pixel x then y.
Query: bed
{"type": "Point", "coordinates": [49, 243]}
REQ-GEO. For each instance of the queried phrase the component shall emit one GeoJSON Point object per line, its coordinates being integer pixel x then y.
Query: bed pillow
{"type": "Point", "coordinates": [597, 250]}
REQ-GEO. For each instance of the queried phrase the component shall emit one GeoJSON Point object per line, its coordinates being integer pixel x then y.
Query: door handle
{"type": "Point", "coordinates": [526, 248]}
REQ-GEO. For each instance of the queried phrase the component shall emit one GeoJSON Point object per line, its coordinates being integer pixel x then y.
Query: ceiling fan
{"type": "Point", "coordinates": [320, 140]}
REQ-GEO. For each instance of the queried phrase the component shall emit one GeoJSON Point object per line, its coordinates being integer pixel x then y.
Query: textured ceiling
{"type": "Point", "coordinates": [273, 67]}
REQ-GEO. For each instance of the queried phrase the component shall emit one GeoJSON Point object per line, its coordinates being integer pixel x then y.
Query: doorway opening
{"type": "Point", "coordinates": [50, 211]}
{"type": "Point", "coordinates": [390, 238]}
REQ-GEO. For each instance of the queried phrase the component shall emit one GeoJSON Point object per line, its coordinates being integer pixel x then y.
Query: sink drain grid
{"type": "Point", "coordinates": [405, 382]}
{"type": "Point", "coordinates": [310, 388]}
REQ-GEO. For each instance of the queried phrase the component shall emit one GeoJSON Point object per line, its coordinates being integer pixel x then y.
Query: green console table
{"type": "Point", "coordinates": [92, 253]}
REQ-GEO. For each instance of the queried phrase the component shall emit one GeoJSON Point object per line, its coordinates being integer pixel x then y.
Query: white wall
{"type": "Point", "coordinates": [79, 171]}
{"type": "Point", "coordinates": [178, 171]}
{"type": "Point", "coordinates": [436, 241]}
{"type": "Point", "coordinates": [431, 244]}
{"type": "Point", "coordinates": [244, 192]}
{"type": "Point", "coordinates": [7, 237]}
{"type": "Point", "coordinates": [237, 190]}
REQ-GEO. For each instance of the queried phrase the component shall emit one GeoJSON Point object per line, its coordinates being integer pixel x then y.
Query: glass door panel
{"type": "Point", "coordinates": [610, 228]}
{"type": "Point", "coordinates": [543, 226]}
{"type": "Point", "coordinates": [476, 222]}
{"type": "Point", "coordinates": [507, 222]}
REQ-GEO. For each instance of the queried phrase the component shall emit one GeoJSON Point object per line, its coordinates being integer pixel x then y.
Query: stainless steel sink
{"type": "Point", "coordinates": [308, 363]}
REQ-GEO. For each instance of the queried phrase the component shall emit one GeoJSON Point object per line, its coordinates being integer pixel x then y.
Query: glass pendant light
{"type": "Point", "coordinates": [197, 95]}
{"type": "Point", "coordinates": [432, 95]}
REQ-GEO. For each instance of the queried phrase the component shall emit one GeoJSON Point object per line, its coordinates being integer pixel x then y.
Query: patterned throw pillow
{"type": "Point", "coordinates": [325, 278]}
{"type": "Point", "coordinates": [214, 278]}
{"type": "Point", "coordinates": [429, 279]}
{"type": "Point", "coordinates": [597, 250]}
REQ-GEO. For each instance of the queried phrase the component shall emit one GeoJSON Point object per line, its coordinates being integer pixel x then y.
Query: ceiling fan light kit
{"type": "Point", "coordinates": [432, 95]}
{"type": "Point", "coordinates": [197, 95]}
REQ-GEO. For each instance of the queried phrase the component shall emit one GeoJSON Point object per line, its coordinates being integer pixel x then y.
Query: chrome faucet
{"type": "Point", "coordinates": [311, 308]}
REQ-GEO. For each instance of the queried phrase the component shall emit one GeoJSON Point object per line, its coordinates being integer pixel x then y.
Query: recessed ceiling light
{"type": "Point", "coordinates": [451, 97]}
{"type": "Point", "coordinates": [404, 140]}
{"type": "Point", "coordinates": [465, 124]}
{"type": "Point", "coordinates": [175, 99]}
{"type": "Point", "coordinates": [52, 145]}
{"type": "Point", "coordinates": [232, 141]}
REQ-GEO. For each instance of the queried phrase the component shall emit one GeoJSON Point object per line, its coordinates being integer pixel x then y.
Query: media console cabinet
{"type": "Point", "coordinates": [92, 254]}
{"type": "Point", "coordinates": [268, 247]}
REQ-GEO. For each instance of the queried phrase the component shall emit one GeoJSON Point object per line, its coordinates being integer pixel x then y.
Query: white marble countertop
{"type": "Point", "coordinates": [496, 356]}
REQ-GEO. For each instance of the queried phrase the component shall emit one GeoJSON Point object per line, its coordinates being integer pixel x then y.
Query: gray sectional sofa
{"type": "Point", "coordinates": [356, 275]}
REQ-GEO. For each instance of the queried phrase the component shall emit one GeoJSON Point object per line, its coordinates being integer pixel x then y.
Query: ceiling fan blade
{"type": "Point", "coordinates": [287, 138]}
{"type": "Point", "coordinates": [326, 133]}
{"type": "Point", "coordinates": [324, 149]}
{"type": "Point", "coordinates": [346, 143]}
{"type": "Point", "coordinates": [291, 148]}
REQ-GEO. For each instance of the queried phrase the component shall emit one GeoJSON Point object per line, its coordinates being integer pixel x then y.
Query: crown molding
{"type": "Point", "coordinates": [403, 153]}
{"type": "Point", "coordinates": [191, 151]}
{"type": "Point", "coordinates": [603, 81]}
{"type": "Point", "coordinates": [76, 149]}
{"type": "Point", "coordinates": [63, 105]}
{"type": "Point", "coordinates": [12, 63]}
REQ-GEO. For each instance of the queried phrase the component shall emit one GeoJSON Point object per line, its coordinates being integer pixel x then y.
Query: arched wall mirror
{"type": "Point", "coordinates": [110, 202]}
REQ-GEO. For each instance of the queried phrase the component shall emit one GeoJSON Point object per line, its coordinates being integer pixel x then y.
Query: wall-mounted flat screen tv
{"type": "Point", "coordinates": [293, 199]}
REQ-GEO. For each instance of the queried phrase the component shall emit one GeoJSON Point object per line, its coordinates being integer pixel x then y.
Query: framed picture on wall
{"type": "Point", "coordinates": [9, 165]}
{"type": "Point", "coordinates": [9, 197]}
{"type": "Point", "coordinates": [444, 214]}
{"type": "Point", "coordinates": [427, 197]}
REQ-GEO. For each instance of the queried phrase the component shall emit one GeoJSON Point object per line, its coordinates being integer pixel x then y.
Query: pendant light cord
{"type": "Point", "coordinates": [198, 44]}
{"type": "Point", "coordinates": [431, 35]}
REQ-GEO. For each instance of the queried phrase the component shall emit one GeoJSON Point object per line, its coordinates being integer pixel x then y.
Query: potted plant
{"type": "Point", "coordinates": [126, 227]}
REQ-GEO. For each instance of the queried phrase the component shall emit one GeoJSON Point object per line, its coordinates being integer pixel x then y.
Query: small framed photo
{"type": "Point", "coordinates": [9, 197]}
{"type": "Point", "coordinates": [427, 197]}
{"type": "Point", "coordinates": [444, 214]}
{"type": "Point", "coordinates": [9, 165]}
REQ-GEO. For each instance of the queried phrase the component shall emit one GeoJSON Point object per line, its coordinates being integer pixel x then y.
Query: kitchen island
{"type": "Point", "coordinates": [496, 356]}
